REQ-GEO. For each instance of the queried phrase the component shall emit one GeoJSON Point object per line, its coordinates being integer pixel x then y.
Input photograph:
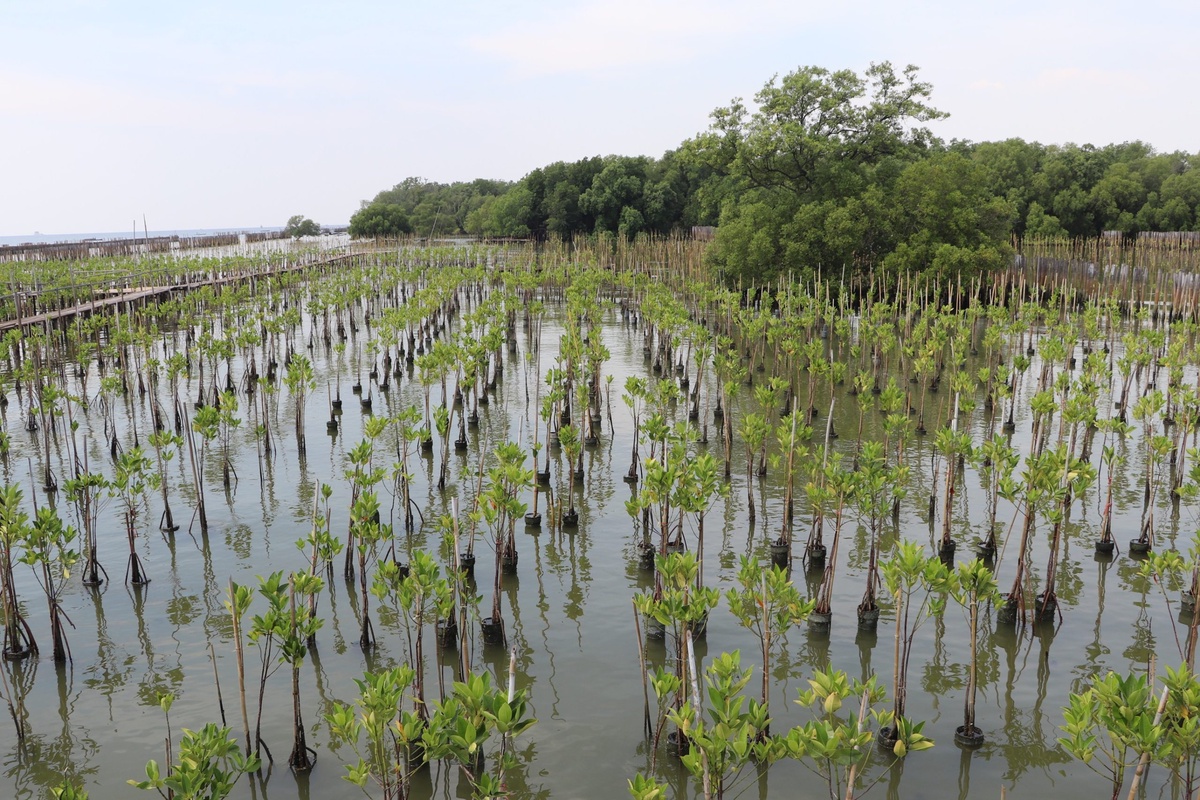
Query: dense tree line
{"type": "Point", "coordinates": [830, 171]}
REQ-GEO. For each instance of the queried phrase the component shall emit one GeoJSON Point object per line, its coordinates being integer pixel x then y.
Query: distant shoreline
{"type": "Point", "coordinates": [66, 238]}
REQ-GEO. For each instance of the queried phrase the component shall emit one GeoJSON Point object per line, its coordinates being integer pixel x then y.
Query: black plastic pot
{"type": "Point", "coordinates": [1043, 610]}
{"type": "Point", "coordinates": [815, 556]}
{"type": "Point", "coordinates": [570, 519]}
{"type": "Point", "coordinates": [1007, 613]}
{"type": "Point", "coordinates": [493, 631]}
{"type": "Point", "coordinates": [868, 619]}
{"type": "Point", "coordinates": [781, 553]}
{"type": "Point", "coordinates": [533, 520]}
{"type": "Point", "coordinates": [968, 738]}
{"type": "Point", "coordinates": [447, 634]}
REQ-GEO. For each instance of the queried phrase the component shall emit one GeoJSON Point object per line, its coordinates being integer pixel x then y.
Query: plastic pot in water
{"type": "Point", "coordinates": [820, 620]}
{"type": "Point", "coordinates": [1007, 613]}
{"type": "Point", "coordinates": [868, 619]}
{"type": "Point", "coordinates": [968, 738]}
{"type": "Point", "coordinates": [1044, 608]}
{"type": "Point", "coordinates": [533, 520]}
{"type": "Point", "coordinates": [646, 554]}
{"type": "Point", "coordinates": [508, 562]}
{"type": "Point", "coordinates": [781, 553]}
{"type": "Point", "coordinates": [447, 634]}
{"type": "Point", "coordinates": [1137, 547]}
{"type": "Point", "coordinates": [1105, 547]}
{"type": "Point", "coordinates": [493, 631]}
{"type": "Point", "coordinates": [570, 519]}
{"type": "Point", "coordinates": [466, 562]}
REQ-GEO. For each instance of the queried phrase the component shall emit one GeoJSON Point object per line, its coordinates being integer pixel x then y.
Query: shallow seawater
{"type": "Point", "coordinates": [568, 608]}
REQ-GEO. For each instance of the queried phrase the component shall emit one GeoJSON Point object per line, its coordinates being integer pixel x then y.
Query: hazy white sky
{"type": "Point", "coordinates": [216, 113]}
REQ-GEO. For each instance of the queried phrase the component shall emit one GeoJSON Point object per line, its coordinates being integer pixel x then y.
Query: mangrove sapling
{"type": "Point", "coordinates": [953, 445]}
{"type": "Point", "coordinates": [164, 443]}
{"type": "Point", "coordinates": [877, 488]}
{"type": "Point", "coordinates": [48, 395]}
{"type": "Point", "coordinates": [667, 690]}
{"type": "Point", "coordinates": [698, 490]}
{"type": "Point", "coordinates": [572, 446]}
{"type": "Point", "coordinates": [1111, 724]}
{"type": "Point", "coordinates": [634, 397]}
{"type": "Point", "coordinates": [732, 737]}
{"type": "Point", "coordinates": [48, 550]}
{"type": "Point", "coordinates": [835, 747]}
{"type": "Point", "coordinates": [753, 430]}
{"type": "Point", "coordinates": [441, 419]}
{"type": "Point", "coordinates": [425, 597]}
{"type": "Point", "coordinates": [790, 429]}
{"type": "Point", "coordinates": [917, 586]}
{"type": "Point", "coordinates": [131, 479]}
{"type": "Point", "coordinates": [269, 630]}
{"type": "Point", "coordinates": [19, 642]}
{"type": "Point", "coordinates": [839, 489]}
{"type": "Point", "coordinates": [391, 751]}
{"type": "Point", "coordinates": [237, 603]}
{"type": "Point", "coordinates": [971, 584]}
{"type": "Point", "coordinates": [209, 766]}
{"type": "Point", "coordinates": [293, 647]}
{"type": "Point", "coordinates": [227, 423]}
{"type": "Point", "coordinates": [676, 609]}
{"type": "Point", "coordinates": [500, 507]}
{"type": "Point", "coordinates": [462, 725]}
{"type": "Point", "coordinates": [409, 433]}
{"type": "Point", "coordinates": [367, 533]}
{"type": "Point", "coordinates": [300, 380]}
{"type": "Point", "coordinates": [996, 461]}
{"type": "Point", "coordinates": [767, 605]}
{"type": "Point", "coordinates": [86, 491]}
{"type": "Point", "coordinates": [363, 475]}
{"type": "Point", "coordinates": [1146, 410]}
{"type": "Point", "coordinates": [533, 519]}
{"type": "Point", "coordinates": [1075, 476]}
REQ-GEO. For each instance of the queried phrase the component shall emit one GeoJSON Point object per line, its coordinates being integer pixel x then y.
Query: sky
{"type": "Point", "coordinates": [220, 114]}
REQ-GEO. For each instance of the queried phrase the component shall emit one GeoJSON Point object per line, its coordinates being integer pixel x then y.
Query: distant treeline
{"type": "Point", "coordinates": [831, 170]}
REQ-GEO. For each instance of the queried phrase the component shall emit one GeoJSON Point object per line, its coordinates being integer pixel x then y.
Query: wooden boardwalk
{"type": "Point", "coordinates": [134, 295]}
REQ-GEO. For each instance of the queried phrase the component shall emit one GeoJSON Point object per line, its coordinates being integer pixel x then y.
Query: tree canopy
{"type": "Point", "coordinates": [379, 220]}
{"type": "Point", "coordinates": [830, 170]}
{"type": "Point", "coordinates": [300, 225]}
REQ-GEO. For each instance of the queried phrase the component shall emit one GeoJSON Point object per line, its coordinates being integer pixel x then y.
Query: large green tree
{"type": "Point", "coordinates": [806, 160]}
{"type": "Point", "coordinates": [300, 225]}
{"type": "Point", "coordinates": [379, 220]}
